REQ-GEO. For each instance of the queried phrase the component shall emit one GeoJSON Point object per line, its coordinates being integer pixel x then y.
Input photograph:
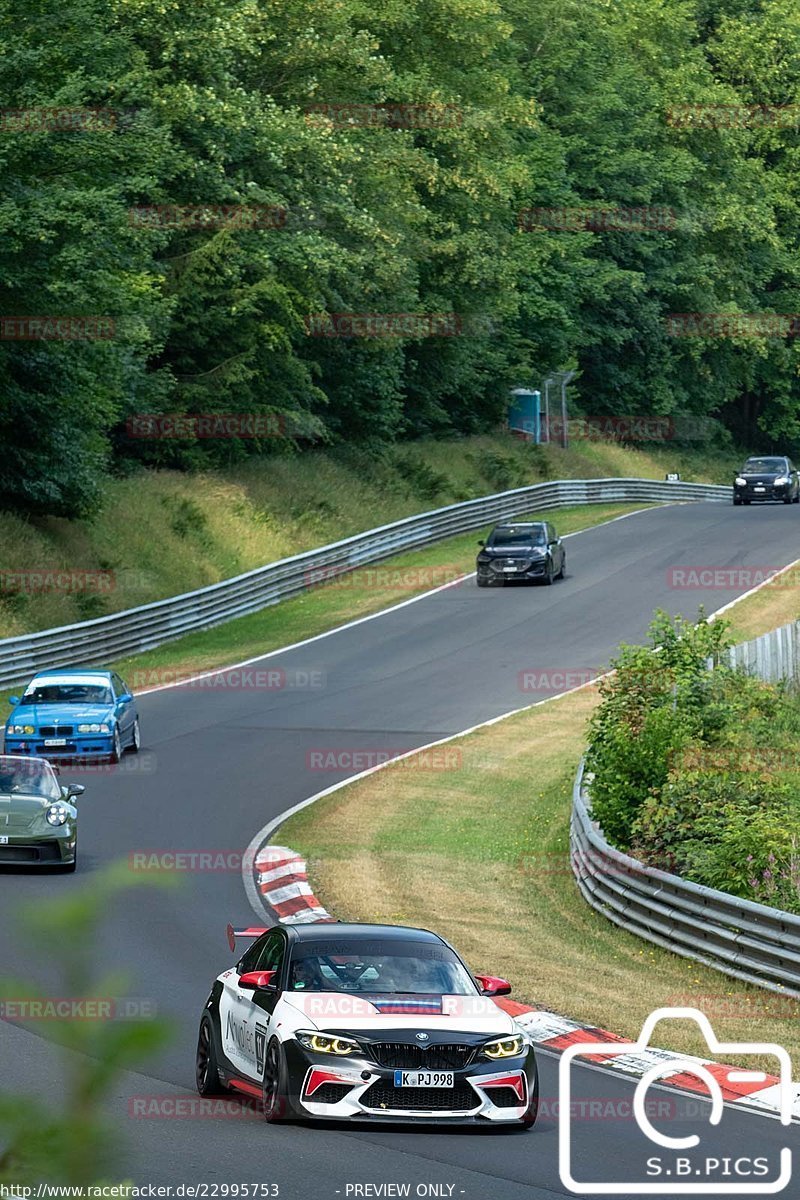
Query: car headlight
{"type": "Point", "coordinates": [740, 482]}
{"type": "Point", "coordinates": [327, 1043]}
{"type": "Point", "coordinates": [781, 480]}
{"type": "Point", "coordinates": [22, 729]}
{"type": "Point", "coordinates": [506, 1047]}
{"type": "Point", "coordinates": [57, 814]}
{"type": "Point", "coordinates": [93, 729]}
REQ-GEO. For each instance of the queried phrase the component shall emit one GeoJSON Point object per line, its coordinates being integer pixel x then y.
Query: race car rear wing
{"type": "Point", "coordinates": [252, 931]}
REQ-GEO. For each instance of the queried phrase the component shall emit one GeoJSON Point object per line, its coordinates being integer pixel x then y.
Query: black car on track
{"type": "Point", "coordinates": [773, 477]}
{"type": "Point", "coordinates": [526, 550]}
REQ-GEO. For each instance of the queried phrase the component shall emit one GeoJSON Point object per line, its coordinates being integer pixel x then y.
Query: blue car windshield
{"type": "Point", "coordinates": [28, 777]}
{"type": "Point", "coordinates": [68, 693]}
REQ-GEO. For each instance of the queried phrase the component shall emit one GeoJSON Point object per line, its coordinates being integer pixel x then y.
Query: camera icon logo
{"type": "Point", "coordinates": [676, 1171]}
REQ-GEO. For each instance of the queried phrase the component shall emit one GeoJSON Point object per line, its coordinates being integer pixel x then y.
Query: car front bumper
{"type": "Point", "coordinates": [768, 491]}
{"type": "Point", "coordinates": [81, 745]}
{"type": "Point", "coordinates": [498, 574]}
{"type": "Point", "coordinates": [55, 848]}
{"type": "Point", "coordinates": [358, 1089]}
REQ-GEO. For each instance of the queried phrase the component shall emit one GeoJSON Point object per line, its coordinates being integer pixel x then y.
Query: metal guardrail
{"type": "Point", "coordinates": [750, 941]}
{"type": "Point", "coordinates": [773, 656]}
{"type": "Point", "coordinates": [106, 639]}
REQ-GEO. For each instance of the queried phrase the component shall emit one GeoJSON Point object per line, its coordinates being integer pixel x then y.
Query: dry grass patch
{"type": "Point", "coordinates": [480, 852]}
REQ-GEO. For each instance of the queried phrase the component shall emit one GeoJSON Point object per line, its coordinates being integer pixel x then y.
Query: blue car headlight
{"type": "Point", "coordinates": [21, 728]}
{"type": "Point", "coordinates": [94, 728]}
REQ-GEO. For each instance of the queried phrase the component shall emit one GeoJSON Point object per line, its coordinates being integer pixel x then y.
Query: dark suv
{"type": "Point", "coordinates": [529, 550]}
{"type": "Point", "coordinates": [772, 478]}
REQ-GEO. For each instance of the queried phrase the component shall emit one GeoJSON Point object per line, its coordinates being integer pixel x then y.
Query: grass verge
{"type": "Point", "coordinates": [481, 849]}
{"type": "Point", "coordinates": [160, 533]}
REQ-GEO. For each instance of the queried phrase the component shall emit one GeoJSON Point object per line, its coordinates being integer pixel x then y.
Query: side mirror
{"type": "Point", "coordinates": [13, 700]}
{"type": "Point", "coordinates": [73, 790]}
{"type": "Point", "coordinates": [490, 985]}
{"type": "Point", "coordinates": [480, 543]}
{"type": "Point", "coordinates": [258, 981]}
{"type": "Point", "coordinates": [125, 698]}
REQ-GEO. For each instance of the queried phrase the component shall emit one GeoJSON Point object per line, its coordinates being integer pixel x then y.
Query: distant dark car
{"type": "Point", "coordinates": [528, 550]}
{"type": "Point", "coordinates": [772, 478]}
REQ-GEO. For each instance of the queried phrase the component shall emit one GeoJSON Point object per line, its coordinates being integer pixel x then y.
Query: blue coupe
{"type": "Point", "coordinates": [71, 714]}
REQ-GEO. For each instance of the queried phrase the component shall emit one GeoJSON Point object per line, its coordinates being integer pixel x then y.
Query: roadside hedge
{"type": "Point", "coordinates": [695, 770]}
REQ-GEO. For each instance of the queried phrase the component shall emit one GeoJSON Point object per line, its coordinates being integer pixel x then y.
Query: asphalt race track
{"type": "Point", "coordinates": [224, 761]}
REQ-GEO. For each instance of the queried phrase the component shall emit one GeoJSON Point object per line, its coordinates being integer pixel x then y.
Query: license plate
{"type": "Point", "coordinates": [432, 1079]}
{"type": "Point", "coordinates": [759, 488]}
{"type": "Point", "coordinates": [55, 741]}
{"type": "Point", "coordinates": [509, 568]}
{"type": "Point", "coordinates": [3, 841]}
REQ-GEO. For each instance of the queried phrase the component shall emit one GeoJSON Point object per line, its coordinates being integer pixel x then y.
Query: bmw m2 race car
{"type": "Point", "coordinates": [364, 1022]}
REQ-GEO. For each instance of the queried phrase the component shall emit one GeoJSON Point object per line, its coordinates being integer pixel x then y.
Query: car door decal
{"type": "Point", "coordinates": [261, 1041]}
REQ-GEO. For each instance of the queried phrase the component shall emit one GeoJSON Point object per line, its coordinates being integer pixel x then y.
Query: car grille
{"type": "Point", "coordinates": [38, 852]}
{"type": "Point", "coordinates": [330, 1093]}
{"type": "Point", "coordinates": [56, 751]}
{"type": "Point", "coordinates": [56, 731]}
{"type": "Point", "coordinates": [504, 1097]}
{"type": "Point", "coordinates": [461, 1098]}
{"type": "Point", "coordinates": [409, 1056]}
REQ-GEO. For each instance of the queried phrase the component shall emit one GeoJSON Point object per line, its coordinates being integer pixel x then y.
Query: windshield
{"type": "Point", "coordinates": [68, 693]}
{"type": "Point", "coordinates": [28, 776]}
{"type": "Point", "coordinates": [754, 466]}
{"type": "Point", "coordinates": [522, 537]}
{"type": "Point", "coordinates": [390, 967]}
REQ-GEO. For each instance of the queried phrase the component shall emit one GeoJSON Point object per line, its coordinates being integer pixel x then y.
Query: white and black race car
{"type": "Point", "coordinates": [364, 1022]}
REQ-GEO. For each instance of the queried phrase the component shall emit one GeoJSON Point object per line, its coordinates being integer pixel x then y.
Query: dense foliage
{"type": "Point", "coordinates": [563, 103]}
{"type": "Point", "coordinates": [695, 769]}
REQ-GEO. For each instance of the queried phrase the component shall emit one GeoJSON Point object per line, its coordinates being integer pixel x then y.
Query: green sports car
{"type": "Point", "coordinates": [38, 821]}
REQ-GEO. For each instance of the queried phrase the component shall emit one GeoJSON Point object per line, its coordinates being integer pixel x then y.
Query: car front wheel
{"type": "Point", "coordinates": [273, 1088]}
{"type": "Point", "coordinates": [529, 1119]}
{"type": "Point", "coordinates": [116, 746]}
{"type": "Point", "coordinates": [549, 574]}
{"type": "Point", "coordinates": [136, 738]}
{"type": "Point", "coordinates": [206, 1065]}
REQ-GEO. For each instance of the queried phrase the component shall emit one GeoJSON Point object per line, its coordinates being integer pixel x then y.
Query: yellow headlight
{"type": "Point", "coordinates": [324, 1044]}
{"type": "Point", "coordinates": [508, 1047]}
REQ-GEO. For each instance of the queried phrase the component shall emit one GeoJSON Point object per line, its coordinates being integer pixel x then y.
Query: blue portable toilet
{"type": "Point", "coordinates": [524, 414]}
